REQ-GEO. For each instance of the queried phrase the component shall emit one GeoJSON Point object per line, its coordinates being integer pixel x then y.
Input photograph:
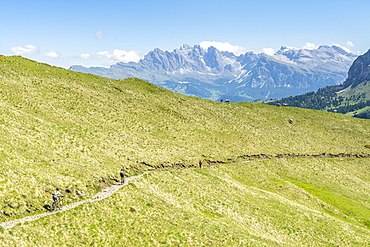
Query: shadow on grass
{"type": "Point", "coordinates": [47, 207]}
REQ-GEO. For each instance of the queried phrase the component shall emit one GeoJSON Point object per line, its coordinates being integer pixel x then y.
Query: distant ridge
{"type": "Point", "coordinates": [213, 74]}
{"type": "Point", "coordinates": [352, 97]}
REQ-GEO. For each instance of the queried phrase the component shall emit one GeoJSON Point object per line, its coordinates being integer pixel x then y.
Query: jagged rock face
{"type": "Point", "coordinates": [359, 71]}
{"type": "Point", "coordinates": [213, 74]}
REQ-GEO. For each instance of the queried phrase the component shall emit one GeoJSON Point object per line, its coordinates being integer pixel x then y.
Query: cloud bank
{"type": "Point", "coordinates": [268, 51]}
{"type": "Point", "coordinates": [224, 46]}
{"type": "Point", "coordinates": [310, 46]}
{"type": "Point", "coordinates": [99, 34]}
{"type": "Point", "coordinates": [85, 56]}
{"type": "Point", "coordinates": [120, 56]}
{"type": "Point", "coordinates": [52, 54]}
{"type": "Point", "coordinates": [349, 44]}
{"type": "Point", "coordinates": [24, 50]}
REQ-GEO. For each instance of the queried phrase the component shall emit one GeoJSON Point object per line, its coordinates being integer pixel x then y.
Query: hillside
{"type": "Point", "coordinates": [213, 74]}
{"type": "Point", "coordinates": [75, 131]}
{"type": "Point", "coordinates": [298, 202]}
{"type": "Point", "coordinates": [352, 97]}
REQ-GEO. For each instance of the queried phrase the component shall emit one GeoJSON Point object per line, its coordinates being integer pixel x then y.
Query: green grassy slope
{"type": "Point", "coordinates": [75, 131]}
{"type": "Point", "coordinates": [350, 101]}
{"type": "Point", "coordinates": [66, 129]}
{"type": "Point", "coordinates": [360, 93]}
{"type": "Point", "coordinates": [287, 202]}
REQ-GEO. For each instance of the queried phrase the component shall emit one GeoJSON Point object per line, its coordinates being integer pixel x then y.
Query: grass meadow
{"type": "Point", "coordinates": [284, 202]}
{"type": "Point", "coordinates": [76, 131]}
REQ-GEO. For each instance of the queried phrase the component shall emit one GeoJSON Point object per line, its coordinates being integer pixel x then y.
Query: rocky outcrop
{"type": "Point", "coordinates": [359, 71]}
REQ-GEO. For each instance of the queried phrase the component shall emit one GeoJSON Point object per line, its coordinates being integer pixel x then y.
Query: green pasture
{"type": "Point", "coordinates": [76, 131]}
{"type": "Point", "coordinates": [257, 203]}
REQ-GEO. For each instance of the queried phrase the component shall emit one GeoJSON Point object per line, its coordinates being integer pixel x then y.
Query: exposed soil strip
{"type": "Point", "coordinates": [322, 155]}
{"type": "Point", "coordinates": [250, 157]}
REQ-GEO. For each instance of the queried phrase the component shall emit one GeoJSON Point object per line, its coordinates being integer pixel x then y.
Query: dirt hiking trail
{"type": "Point", "coordinates": [105, 193]}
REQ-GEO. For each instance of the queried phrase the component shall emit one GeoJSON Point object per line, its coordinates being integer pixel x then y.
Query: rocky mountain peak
{"type": "Point", "coordinates": [214, 74]}
{"type": "Point", "coordinates": [359, 71]}
{"type": "Point", "coordinates": [185, 47]}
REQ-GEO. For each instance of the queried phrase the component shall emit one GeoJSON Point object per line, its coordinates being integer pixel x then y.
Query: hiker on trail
{"type": "Point", "coordinates": [200, 164]}
{"type": "Point", "coordinates": [122, 175]}
{"type": "Point", "coordinates": [55, 197]}
{"type": "Point", "coordinates": [56, 194]}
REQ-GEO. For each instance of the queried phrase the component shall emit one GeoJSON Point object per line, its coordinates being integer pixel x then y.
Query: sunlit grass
{"type": "Point", "coordinates": [75, 131]}
{"type": "Point", "coordinates": [225, 205]}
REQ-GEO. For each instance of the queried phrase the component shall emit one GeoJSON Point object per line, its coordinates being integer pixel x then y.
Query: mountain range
{"type": "Point", "coordinates": [352, 97]}
{"type": "Point", "coordinates": [214, 74]}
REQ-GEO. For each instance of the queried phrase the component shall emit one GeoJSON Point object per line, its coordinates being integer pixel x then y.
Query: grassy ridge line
{"type": "Point", "coordinates": [253, 205]}
{"type": "Point", "coordinates": [71, 130]}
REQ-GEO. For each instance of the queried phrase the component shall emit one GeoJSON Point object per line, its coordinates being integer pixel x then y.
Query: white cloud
{"type": "Point", "coordinates": [224, 46]}
{"type": "Point", "coordinates": [104, 54]}
{"type": "Point", "coordinates": [310, 46]}
{"type": "Point", "coordinates": [347, 47]}
{"type": "Point", "coordinates": [268, 51]}
{"type": "Point", "coordinates": [350, 44]}
{"type": "Point", "coordinates": [99, 34]}
{"type": "Point", "coordinates": [120, 55]}
{"type": "Point", "coordinates": [85, 56]}
{"type": "Point", "coordinates": [343, 47]}
{"type": "Point", "coordinates": [52, 54]}
{"type": "Point", "coordinates": [24, 50]}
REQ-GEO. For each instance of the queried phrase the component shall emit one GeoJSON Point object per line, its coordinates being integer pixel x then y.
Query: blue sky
{"type": "Point", "coordinates": [100, 33]}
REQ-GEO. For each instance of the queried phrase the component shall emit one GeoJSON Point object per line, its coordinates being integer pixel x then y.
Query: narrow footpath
{"type": "Point", "coordinates": [105, 193]}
